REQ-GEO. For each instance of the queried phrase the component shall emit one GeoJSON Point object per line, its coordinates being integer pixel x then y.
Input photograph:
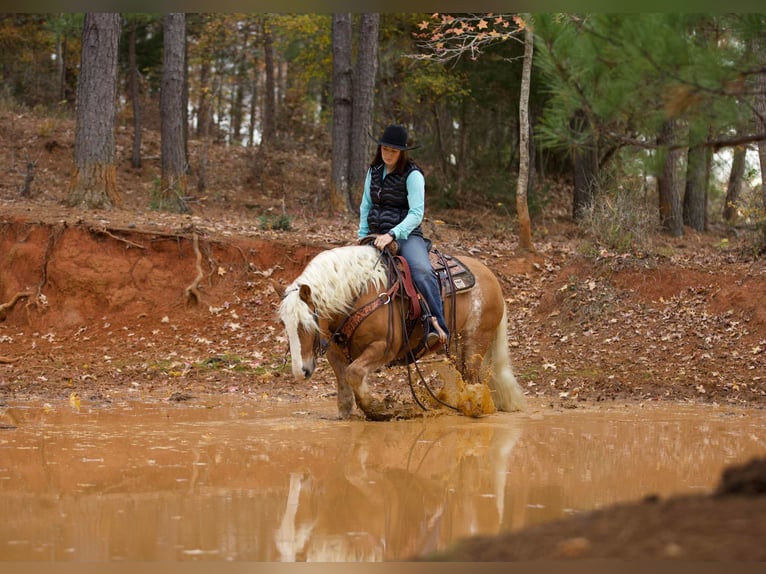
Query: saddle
{"type": "Point", "coordinates": [454, 277]}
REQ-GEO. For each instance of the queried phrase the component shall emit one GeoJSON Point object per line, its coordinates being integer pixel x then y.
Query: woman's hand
{"type": "Point", "coordinates": [382, 241]}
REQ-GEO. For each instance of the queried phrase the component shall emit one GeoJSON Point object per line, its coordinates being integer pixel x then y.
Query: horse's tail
{"type": "Point", "coordinates": [506, 392]}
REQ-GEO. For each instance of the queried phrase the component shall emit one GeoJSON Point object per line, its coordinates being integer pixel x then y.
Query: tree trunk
{"type": "Point", "coordinates": [242, 79]}
{"type": "Point", "coordinates": [522, 209]}
{"type": "Point", "coordinates": [532, 157]}
{"type": "Point", "coordinates": [362, 104]}
{"type": "Point", "coordinates": [736, 176]}
{"type": "Point", "coordinates": [695, 194]}
{"type": "Point", "coordinates": [269, 123]}
{"type": "Point", "coordinates": [671, 217]}
{"type": "Point", "coordinates": [173, 185]}
{"type": "Point", "coordinates": [94, 181]}
{"type": "Point", "coordinates": [462, 152]}
{"type": "Point", "coordinates": [203, 106]}
{"type": "Point", "coordinates": [185, 101]}
{"type": "Point", "coordinates": [253, 110]}
{"type": "Point", "coordinates": [203, 124]}
{"type": "Point", "coordinates": [585, 163]}
{"type": "Point", "coordinates": [342, 116]}
{"type": "Point", "coordinates": [760, 116]}
{"type": "Point", "coordinates": [61, 65]}
{"type": "Point", "coordinates": [133, 76]}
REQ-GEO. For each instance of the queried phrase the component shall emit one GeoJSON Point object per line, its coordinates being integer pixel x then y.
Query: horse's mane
{"type": "Point", "coordinates": [336, 278]}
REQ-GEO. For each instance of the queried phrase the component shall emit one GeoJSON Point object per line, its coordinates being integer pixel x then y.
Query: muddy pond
{"type": "Point", "coordinates": [224, 478]}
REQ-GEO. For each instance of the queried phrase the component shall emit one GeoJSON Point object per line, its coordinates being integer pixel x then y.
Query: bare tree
{"type": "Point", "coordinates": [268, 127]}
{"type": "Point", "coordinates": [446, 37]}
{"type": "Point", "coordinates": [363, 101]}
{"type": "Point", "coordinates": [342, 110]}
{"type": "Point", "coordinates": [760, 115]}
{"type": "Point", "coordinates": [94, 181]}
{"type": "Point", "coordinates": [133, 90]}
{"type": "Point", "coordinates": [172, 104]}
{"type": "Point", "coordinates": [522, 185]}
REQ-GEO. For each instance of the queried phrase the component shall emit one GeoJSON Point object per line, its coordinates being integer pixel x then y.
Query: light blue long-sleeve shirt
{"type": "Point", "coordinates": [416, 199]}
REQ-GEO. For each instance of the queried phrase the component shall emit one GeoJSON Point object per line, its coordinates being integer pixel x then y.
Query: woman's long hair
{"type": "Point", "coordinates": [404, 158]}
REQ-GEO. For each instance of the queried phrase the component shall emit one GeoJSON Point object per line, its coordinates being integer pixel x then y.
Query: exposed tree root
{"type": "Point", "coordinates": [39, 299]}
{"type": "Point", "coordinates": [116, 238]}
{"type": "Point", "coordinates": [192, 291]}
{"type": "Point", "coordinates": [8, 360]}
{"type": "Point", "coordinates": [5, 307]}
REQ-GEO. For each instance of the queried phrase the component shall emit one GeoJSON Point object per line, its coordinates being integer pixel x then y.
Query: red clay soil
{"type": "Point", "coordinates": [131, 302]}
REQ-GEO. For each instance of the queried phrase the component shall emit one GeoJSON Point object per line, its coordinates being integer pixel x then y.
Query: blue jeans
{"type": "Point", "coordinates": [415, 250]}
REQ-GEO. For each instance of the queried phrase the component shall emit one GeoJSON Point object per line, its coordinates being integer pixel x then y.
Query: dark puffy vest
{"type": "Point", "coordinates": [389, 199]}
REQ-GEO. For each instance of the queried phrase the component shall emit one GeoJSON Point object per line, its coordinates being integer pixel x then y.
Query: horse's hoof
{"type": "Point", "coordinates": [393, 413]}
{"type": "Point", "coordinates": [475, 401]}
{"type": "Point", "coordinates": [378, 417]}
{"type": "Point", "coordinates": [378, 410]}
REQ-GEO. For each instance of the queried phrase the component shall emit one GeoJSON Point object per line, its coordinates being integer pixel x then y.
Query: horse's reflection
{"type": "Point", "coordinates": [399, 490]}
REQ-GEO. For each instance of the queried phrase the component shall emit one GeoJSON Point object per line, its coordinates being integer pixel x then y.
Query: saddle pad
{"type": "Point", "coordinates": [462, 278]}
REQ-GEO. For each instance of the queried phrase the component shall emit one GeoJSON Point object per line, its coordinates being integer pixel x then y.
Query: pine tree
{"type": "Point", "coordinates": [94, 181]}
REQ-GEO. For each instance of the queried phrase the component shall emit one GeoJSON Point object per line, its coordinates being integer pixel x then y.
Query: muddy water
{"type": "Point", "coordinates": [230, 480]}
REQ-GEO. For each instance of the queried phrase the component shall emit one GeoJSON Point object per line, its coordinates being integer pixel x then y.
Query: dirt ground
{"type": "Point", "coordinates": [132, 302]}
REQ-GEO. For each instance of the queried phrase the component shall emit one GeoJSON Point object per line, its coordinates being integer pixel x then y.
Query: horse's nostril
{"type": "Point", "coordinates": [306, 372]}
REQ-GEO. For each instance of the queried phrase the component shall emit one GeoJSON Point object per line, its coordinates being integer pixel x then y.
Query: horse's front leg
{"type": "Point", "coordinates": [338, 362]}
{"type": "Point", "coordinates": [371, 358]}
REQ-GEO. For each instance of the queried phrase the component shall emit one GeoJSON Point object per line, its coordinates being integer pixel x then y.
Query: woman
{"type": "Point", "coordinates": [392, 208]}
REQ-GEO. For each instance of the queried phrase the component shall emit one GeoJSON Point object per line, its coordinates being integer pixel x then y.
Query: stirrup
{"type": "Point", "coordinates": [433, 340]}
{"type": "Point", "coordinates": [436, 338]}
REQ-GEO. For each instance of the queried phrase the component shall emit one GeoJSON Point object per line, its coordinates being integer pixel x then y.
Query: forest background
{"type": "Point", "coordinates": [650, 123]}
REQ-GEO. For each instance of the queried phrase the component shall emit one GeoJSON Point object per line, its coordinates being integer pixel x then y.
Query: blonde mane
{"type": "Point", "coordinates": [336, 278]}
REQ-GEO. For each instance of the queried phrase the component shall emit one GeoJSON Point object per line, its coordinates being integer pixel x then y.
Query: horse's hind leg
{"type": "Point", "coordinates": [473, 395]}
{"type": "Point", "coordinates": [471, 356]}
{"type": "Point", "coordinates": [345, 393]}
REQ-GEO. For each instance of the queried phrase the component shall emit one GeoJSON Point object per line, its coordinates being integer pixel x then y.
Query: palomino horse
{"type": "Point", "coordinates": [338, 281]}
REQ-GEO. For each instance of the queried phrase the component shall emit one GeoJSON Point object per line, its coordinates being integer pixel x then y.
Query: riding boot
{"type": "Point", "coordinates": [436, 337]}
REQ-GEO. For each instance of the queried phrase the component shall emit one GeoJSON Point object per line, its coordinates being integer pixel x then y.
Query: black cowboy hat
{"type": "Point", "coordinates": [394, 136]}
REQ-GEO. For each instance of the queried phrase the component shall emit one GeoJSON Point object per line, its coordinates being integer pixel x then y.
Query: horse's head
{"type": "Point", "coordinates": [299, 317]}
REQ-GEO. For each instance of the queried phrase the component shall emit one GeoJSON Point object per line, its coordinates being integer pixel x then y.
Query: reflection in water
{"type": "Point", "coordinates": [231, 481]}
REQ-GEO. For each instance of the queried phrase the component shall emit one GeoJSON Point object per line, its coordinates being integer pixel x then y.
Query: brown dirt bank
{"type": "Point", "coordinates": [716, 527]}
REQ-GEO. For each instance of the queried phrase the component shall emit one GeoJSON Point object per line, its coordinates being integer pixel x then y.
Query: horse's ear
{"type": "Point", "coordinates": [305, 294]}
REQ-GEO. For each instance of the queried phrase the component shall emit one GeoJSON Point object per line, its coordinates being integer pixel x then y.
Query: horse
{"type": "Point", "coordinates": [338, 281]}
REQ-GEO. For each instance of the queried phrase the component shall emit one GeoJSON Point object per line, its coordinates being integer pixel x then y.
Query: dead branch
{"type": "Point", "coordinates": [192, 291]}
{"type": "Point", "coordinates": [8, 360]}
